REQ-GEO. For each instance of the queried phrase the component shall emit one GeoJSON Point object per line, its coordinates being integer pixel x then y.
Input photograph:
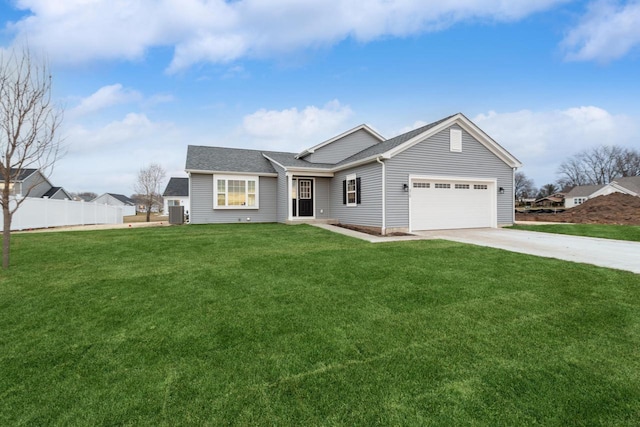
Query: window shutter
{"type": "Point", "coordinates": [358, 190]}
{"type": "Point", "coordinates": [344, 192]}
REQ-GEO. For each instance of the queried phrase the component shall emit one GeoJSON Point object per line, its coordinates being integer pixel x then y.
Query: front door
{"type": "Point", "coordinates": [305, 197]}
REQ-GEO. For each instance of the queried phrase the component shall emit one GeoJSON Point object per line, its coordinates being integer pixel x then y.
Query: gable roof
{"type": "Point", "coordinates": [390, 144]}
{"type": "Point", "coordinates": [121, 198]}
{"type": "Point", "coordinates": [400, 143]}
{"type": "Point", "coordinates": [124, 199]}
{"type": "Point", "coordinates": [583, 190]}
{"type": "Point", "coordinates": [342, 135]}
{"type": "Point", "coordinates": [53, 190]}
{"type": "Point", "coordinates": [236, 160]}
{"type": "Point", "coordinates": [220, 159]}
{"type": "Point", "coordinates": [630, 183]}
{"type": "Point", "coordinates": [291, 160]}
{"type": "Point", "coordinates": [24, 174]}
{"type": "Point", "coordinates": [178, 187]}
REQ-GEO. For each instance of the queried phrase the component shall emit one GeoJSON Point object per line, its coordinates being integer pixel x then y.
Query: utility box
{"type": "Point", "coordinates": [176, 214]}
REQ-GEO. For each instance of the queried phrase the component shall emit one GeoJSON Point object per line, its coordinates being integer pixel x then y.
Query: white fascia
{"type": "Point", "coordinates": [342, 135]}
{"type": "Point", "coordinates": [209, 172]}
{"type": "Point", "coordinates": [467, 125]}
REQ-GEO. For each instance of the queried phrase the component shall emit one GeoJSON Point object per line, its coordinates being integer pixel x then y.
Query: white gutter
{"type": "Point", "coordinates": [513, 196]}
{"type": "Point", "coordinates": [383, 231]}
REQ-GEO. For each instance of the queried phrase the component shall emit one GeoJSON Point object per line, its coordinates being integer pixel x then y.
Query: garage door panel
{"type": "Point", "coordinates": [468, 206]}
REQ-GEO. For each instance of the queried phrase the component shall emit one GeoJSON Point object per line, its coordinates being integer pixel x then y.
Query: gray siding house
{"type": "Point", "coordinates": [176, 194]}
{"type": "Point", "coordinates": [447, 174]}
{"type": "Point", "coordinates": [581, 193]}
{"type": "Point", "coordinates": [32, 183]}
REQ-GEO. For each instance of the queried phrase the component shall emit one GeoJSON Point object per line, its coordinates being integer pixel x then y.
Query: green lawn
{"type": "Point", "coordinates": [605, 231]}
{"type": "Point", "coordinates": [293, 325]}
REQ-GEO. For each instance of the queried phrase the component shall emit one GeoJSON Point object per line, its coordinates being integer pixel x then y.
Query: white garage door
{"type": "Point", "coordinates": [440, 204]}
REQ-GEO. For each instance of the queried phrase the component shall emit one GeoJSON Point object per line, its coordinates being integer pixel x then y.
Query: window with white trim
{"type": "Point", "coordinates": [235, 192]}
{"type": "Point", "coordinates": [352, 191]}
{"type": "Point", "coordinates": [579, 200]}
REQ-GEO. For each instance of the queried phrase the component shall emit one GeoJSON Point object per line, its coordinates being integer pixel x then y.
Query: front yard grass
{"type": "Point", "coordinates": [293, 325]}
{"type": "Point", "coordinates": [604, 231]}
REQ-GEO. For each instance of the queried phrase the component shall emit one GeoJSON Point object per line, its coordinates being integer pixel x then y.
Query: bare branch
{"type": "Point", "coordinates": [29, 123]}
{"type": "Point", "coordinates": [148, 185]}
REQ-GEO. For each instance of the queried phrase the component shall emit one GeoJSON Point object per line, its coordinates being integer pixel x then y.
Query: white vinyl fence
{"type": "Point", "coordinates": [44, 213]}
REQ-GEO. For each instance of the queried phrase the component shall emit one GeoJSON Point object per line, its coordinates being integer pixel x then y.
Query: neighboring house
{"type": "Point", "coordinates": [555, 200]}
{"type": "Point", "coordinates": [128, 205]}
{"type": "Point", "coordinates": [57, 193]}
{"type": "Point", "coordinates": [525, 201]}
{"type": "Point", "coordinates": [32, 183]}
{"type": "Point", "coordinates": [176, 194]}
{"type": "Point", "coordinates": [581, 193]}
{"type": "Point", "coordinates": [448, 174]}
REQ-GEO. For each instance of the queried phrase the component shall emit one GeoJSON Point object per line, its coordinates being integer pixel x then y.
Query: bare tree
{"type": "Point", "coordinates": [628, 163]}
{"type": "Point", "coordinates": [29, 123]}
{"type": "Point", "coordinates": [85, 195]}
{"type": "Point", "coordinates": [148, 186]}
{"type": "Point", "coordinates": [523, 186]}
{"type": "Point", "coordinates": [547, 190]}
{"type": "Point", "coordinates": [599, 165]}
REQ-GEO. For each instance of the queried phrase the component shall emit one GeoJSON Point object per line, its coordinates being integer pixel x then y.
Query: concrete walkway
{"type": "Point", "coordinates": [608, 253]}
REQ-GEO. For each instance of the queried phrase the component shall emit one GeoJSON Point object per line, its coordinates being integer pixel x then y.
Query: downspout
{"type": "Point", "coordinates": [383, 231]}
{"type": "Point", "coordinates": [289, 176]}
{"type": "Point", "coordinates": [513, 196]}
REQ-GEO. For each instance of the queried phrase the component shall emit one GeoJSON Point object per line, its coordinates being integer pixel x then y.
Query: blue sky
{"type": "Point", "coordinates": [142, 79]}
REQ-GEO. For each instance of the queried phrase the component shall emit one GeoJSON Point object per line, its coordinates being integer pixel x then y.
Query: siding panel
{"type": "Point", "coordinates": [369, 211]}
{"type": "Point", "coordinates": [343, 148]}
{"type": "Point", "coordinates": [202, 211]}
{"type": "Point", "coordinates": [433, 157]}
{"type": "Point", "coordinates": [322, 202]}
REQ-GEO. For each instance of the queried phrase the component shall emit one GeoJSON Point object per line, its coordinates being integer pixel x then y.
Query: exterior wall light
{"type": "Point", "coordinates": [501, 190]}
{"type": "Point", "coordinates": [405, 188]}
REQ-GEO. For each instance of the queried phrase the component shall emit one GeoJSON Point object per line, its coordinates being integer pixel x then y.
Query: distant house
{"type": "Point", "coordinates": [58, 193]}
{"type": "Point", "coordinates": [555, 200]}
{"type": "Point", "coordinates": [128, 205]}
{"type": "Point", "coordinates": [32, 183]}
{"type": "Point", "coordinates": [176, 194]}
{"type": "Point", "coordinates": [581, 193]}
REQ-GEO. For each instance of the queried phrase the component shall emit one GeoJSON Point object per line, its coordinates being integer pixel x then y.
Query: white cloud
{"type": "Point", "coordinates": [415, 125]}
{"type": "Point", "coordinates": [543, 139]}
{"type": "Point", "coordinates": [107, 158]}
{"type": "Point", "coordinates": [292, 129]}
{"type": "Point", "coordinates": [104, 97]}
{"type": "Point", "coordinates": [607, 32]}
{"type": "Point", "coordinates": [222, 31]}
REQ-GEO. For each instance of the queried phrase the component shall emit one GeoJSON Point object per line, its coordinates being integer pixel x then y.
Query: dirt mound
{"type": "Point", "coordinates": [616, 208]}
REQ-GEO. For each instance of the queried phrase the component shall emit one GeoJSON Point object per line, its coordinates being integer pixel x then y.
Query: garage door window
{"type": "Point", "coordinates": [440, 185]}
{"type": "Point", "coordinates": [421, 185]}
{"type": "Point", "coordinates": [462, 186]}
{"type": "Point", "coordinates": [480, 186]}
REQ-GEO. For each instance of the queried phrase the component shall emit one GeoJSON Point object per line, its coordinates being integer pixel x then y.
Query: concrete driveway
{"type": "Point", "coordinates": [602, 252]}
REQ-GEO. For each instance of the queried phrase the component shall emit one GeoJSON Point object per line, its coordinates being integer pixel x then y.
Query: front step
{"type": "Point", "coordinates": [311, 221]}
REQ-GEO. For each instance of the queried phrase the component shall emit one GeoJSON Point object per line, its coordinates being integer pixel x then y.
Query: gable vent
{"type": "Point", "coordinates": [455, 140]}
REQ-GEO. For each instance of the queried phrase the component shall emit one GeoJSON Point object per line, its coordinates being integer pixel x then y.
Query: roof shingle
{"type": "Point", "coordinates": [178, 187]}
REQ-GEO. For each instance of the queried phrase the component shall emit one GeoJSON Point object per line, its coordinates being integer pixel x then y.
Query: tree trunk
{"type": "Point", "coordinates": [6, 236]}
{"type": "Point", "coordinates": [148, 213]}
